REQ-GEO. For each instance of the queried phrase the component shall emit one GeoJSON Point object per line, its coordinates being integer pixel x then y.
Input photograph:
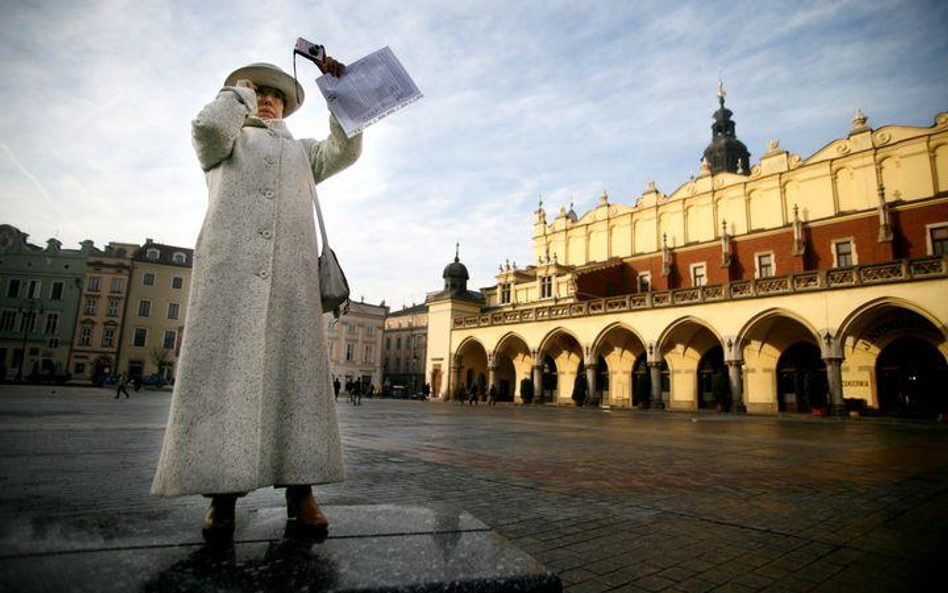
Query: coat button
{"type": "Point", "coordinates": [268, 194]}
{"type": "Point", "coordinates": [269, 160]}
{"type": "Point", "coordinates": [264, 274]}
{"type": "Point", "coordinates": [267, 233]}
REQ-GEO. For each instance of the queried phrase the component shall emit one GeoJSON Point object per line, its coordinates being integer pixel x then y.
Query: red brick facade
{"type": "Point", "coordinates": [909, 240]}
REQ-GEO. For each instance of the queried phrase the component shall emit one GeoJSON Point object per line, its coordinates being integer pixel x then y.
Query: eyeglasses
{"type": "Point", "coordinates": [269, 91]}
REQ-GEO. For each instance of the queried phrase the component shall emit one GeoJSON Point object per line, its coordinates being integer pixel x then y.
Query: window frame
{"type": "Point", "coordinates": [929, 243]}
{"type": "Point", "coordinates": [177, 310]}
{"type": "Point", "coordinates": [57, 284]}
{"type": "Point", "coordinates": [146, 304]}
{"type": "Point", "coordinates": [834, 247]}
{"type": "Point", "coordinates": [174, 339]}
{"type": "Point", "coordinates": [757, 266]}
{"type": "Point", "coordinates": [179, 280]}
{"type": "Point", "coordinates": [704, 274]}
{"type": "Point", "coordinates": [144, 335]}
{"type": "Point", "coordinates": [146, 276]}
{"type": "Point", "coordinates": [647, 276]}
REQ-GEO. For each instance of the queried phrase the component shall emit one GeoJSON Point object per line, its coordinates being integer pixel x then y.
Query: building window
{"type": "Point", "coordinates": [645, 281]}
{"type": "Point", "coordinates": [369, 354]}
{"type": "Point", "coordinates": [148, 279]}
{"type": "Point", "coordinates": [7, 321]}
{"type": "Point", "coordinates": [56, 292]}
{"type": "Point", "coordinates": [112, 309]}
{"type": "Point", "coordinates": [173, 309]}
{"type": "Point", "coordinates": [171, 337]}
{"type": "Point", "coordinates": [177, 282]}
{"type": "Point", "coordinates": [179, 258]}
{"type": "Point", "coordinates": [108, 337]}
{"type": "Point", "coordinates": [79, 369]}
{"type": "Point", "coordinates": [52, 323]}
{"type": "Point", "coordinates": [94, 284]}
{"type": "Point", "coordinates": [505, 293]}
{"type": "Point", "coordinates": [90, 306]}
{"type": "Point", "coordinates": [388, 343]}
{"type": "Point", "coordinates": [398, 343]}
{"type": "Point", "coordinates": [13, 288]}
{"type": "Point", "coordinates": [153, 254]}
{"type": "Point", "coordinates": [144, 308]}
{"type": "Point", "coordinates": [698, 275]}
{"type": "Point", "coordinates": [35, 288]}
{"type": "Point", "coordinates": [765, 265]}
{"type": "Point", "coordinates": [938, 239]}
{"type": "Point", "coordinates": [140, 338]}
{"type": "Point", "coordinates": [85, 335]}
{"type": "Point", "coordinates": [843, 253]}
{"type": "Point", "coordinates": [52, 343]}
{"type": "Point", "coordinates": [546, 287]}
{"type": "Point", "coordinates": [398, 364]}
{"type": "Point", "coordinates": [350, 351]}
{"type": "Point", "coordinates": [117, 285]}
{"type": "Point", "coordinates": [28, 322]}
{"type": "Point", "coordinates": [350, 328]}
{"type": "Point", "coordinates": [370, 330]}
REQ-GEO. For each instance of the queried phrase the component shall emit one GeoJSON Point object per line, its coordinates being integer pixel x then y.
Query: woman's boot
{"type": "Point", "coordinates": [302, 508]}
{"type": "Point", "coordinates": [219, 521]}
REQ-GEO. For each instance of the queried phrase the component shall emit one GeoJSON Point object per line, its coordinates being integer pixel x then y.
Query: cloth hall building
{"type": "Point", "coordinates": [758, 276]}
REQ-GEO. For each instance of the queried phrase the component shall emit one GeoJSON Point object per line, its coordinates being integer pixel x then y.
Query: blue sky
{"type": "Point", "coordinates": [563, 99]}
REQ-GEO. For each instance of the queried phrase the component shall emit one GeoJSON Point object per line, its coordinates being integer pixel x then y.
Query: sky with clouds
{"type": "Point", "coordinates": [562, 99]}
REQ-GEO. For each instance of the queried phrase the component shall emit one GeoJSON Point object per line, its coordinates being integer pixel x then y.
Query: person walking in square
{"type": "Point", "coordinates": [120, 385]}
{"type": "Point", "coordinates": [336, 386]}
{"type": "Point", "coordinates": [252, 403]}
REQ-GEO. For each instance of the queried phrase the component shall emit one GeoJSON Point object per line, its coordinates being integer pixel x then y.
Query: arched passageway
{"type": "Point", "coordinates": [514, 363]}
{"type": "Point", "coordinates": [615, 351]}
{"type": "Point", "coordinates": [684, 346]}
{"type": "Point", "coordinates": [912, 376]}
{"type": "Point", "coordinates": [762, 345]}
{"type": "Point", "coordinates": [710, 370]}
{"type": "Point", "coordinates": [470, 368]}
{"type": "Point", "coordinates": [562, 357]}
{"type": "Point", "coordinates": [796, 388]}
{"type": "Point", "coordinates": [896, 359]}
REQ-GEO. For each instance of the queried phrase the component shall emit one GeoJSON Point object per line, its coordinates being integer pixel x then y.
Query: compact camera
{"type": "Point", "coordinates": [309, 50]}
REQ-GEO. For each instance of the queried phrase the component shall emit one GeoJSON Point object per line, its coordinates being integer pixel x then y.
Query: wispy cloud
{"type": "Point", "coordinates": [557, 98]}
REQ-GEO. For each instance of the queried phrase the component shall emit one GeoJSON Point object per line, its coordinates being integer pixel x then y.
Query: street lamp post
{"type": "Point", "coordinates": [28, 311]}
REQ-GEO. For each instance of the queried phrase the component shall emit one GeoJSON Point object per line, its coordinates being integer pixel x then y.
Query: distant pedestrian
{"type": "Point", "coordinates": [472, 397]}
{"type": "Point", "coordinates": [492, 396]}
{"type": "Point", "coordinates": [120, 384]}
{"type": "Point", "coordinates": [356, 395]}
{"type": "Point", "coordinates": [336, 386]}
{"type": "Point", "coordinates": [425, 392]}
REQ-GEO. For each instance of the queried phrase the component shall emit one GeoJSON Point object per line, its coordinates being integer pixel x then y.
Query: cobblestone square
{"type": "Point", "coordinates": [609, 501]}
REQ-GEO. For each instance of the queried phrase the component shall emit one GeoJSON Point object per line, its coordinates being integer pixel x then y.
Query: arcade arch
{"type": "Point", "coordinates": [684, 345]}
{"type": "Point", "coordinates": [562, 358]}
{"type": "Point", "coordinates": [762, 344]}
{"type": "Point", "coordinates": [470, 366]}
{"type": "Point", "coordinates": [615, 351]}
{"type": "Point", "coordinates": [514, 362]}
{"type": "Point", "coordinates": [896, 359]}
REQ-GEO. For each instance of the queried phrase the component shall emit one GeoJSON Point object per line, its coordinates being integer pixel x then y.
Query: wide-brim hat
{"type": "Point", "coordinates": [264, 74]}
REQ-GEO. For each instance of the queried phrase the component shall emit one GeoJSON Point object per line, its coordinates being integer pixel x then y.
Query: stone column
{"type": "Point", "coordinates": [455, 380]}
{"type": "Point", "coordinates": [834, 379]}
{"type": "Point", "coordinates": [736, 380]}
{"type": "Point", "coordinates": [591, 382]}
{"type": "Point", "coordinates": [538, 383]}
{"type": "Point", "coordinates": [655, 373]}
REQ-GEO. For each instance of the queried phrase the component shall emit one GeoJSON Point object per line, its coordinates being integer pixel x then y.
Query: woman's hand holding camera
{"type": "Point", "coordinates": [329, 65]}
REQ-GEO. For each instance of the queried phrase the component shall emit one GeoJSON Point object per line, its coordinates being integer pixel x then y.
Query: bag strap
{"type": "Point", "coordinates": [312, 191]}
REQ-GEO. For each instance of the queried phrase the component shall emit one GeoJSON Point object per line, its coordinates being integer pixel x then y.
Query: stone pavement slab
{"type": "Point", "coordinates": [608, 500]}
{"type": "Point", "coordinates": [369, 548]}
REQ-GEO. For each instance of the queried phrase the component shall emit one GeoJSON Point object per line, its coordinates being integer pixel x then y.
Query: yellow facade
{"type": "Point", "coordinates": [155, 312]}
{"type": "Point", "coordinates": [881, 194]}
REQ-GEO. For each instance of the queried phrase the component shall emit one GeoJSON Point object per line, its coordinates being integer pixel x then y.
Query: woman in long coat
{"type": "Point", "coordinates": [253, 400]}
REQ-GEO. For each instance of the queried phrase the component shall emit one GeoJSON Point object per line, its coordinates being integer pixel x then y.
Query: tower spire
{"type": "Point", "coordinates": [725, 153]}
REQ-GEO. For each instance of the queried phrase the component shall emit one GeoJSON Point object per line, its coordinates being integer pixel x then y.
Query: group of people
{"type": "Point", "coordinates": [354, 390]}
{"type": "Point", "coordinates": [471, 395]}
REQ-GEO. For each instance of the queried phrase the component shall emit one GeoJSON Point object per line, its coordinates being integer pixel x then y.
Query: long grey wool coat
{"type": "Point", "coordinates": [253, 404]}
